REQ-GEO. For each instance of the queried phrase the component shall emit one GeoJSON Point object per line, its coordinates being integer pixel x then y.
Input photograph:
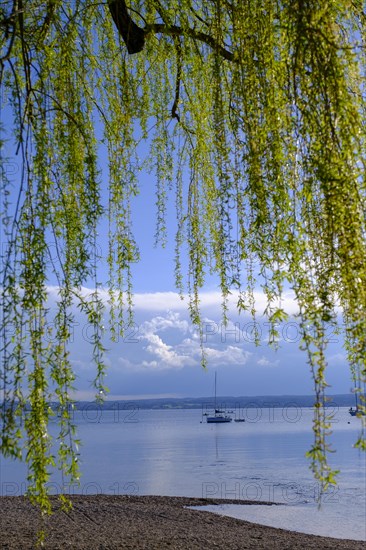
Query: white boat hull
{"type": "Point", "coordinates": [218, 419]}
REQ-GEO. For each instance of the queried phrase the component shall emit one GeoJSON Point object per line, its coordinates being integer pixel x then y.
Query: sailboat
{"type": "Point", "coordinates": [219, 417]}
{"type": "Point", "coordinates": [357, 411]}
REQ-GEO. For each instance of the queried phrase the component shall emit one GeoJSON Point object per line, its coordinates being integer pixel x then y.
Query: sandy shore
{"type": "Point", "coordinates": [145, 522]}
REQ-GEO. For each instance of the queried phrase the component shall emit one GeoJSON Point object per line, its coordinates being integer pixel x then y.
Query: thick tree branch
{"type": "Point", "coordinates": [174, 30]}
{"type": "Point", "coordinates": [132, 34]}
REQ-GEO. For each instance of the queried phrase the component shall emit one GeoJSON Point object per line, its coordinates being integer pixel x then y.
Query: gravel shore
{"type": "Point", "coordinates": [104, 522]}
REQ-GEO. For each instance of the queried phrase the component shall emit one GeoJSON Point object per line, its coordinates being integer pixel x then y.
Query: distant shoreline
{"type": "Point", "coordinates": [107, 522]}
{"type": "Point", "coordinates": [228, 402]}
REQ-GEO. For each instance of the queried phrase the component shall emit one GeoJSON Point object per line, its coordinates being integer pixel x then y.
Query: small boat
{"type": "Point", "coordinates": [219, 417]}
{"type": "Point", "coordinates": [356, 412]}
{"type": "Point", "coordinates": [239, 419]}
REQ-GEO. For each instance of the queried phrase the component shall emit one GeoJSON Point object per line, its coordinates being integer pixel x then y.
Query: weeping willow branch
{"type": "Point", "coordinates": [178, 77]}
{"type": "Point", "coordinates": [9, 24]}
{"type": "Point", "coordinates": [51, 8]}
{"type": "Point", "coordinates": [272, 143]}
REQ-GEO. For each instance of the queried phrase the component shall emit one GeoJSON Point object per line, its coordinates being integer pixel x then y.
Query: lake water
{"type": "Point", "coordinates": [176, 453]}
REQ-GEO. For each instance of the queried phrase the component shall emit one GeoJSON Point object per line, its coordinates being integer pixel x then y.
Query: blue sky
{"type": "Point", "coordinates": [160, 356]}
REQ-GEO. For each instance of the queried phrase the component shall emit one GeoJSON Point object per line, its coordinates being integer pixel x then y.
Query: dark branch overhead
{"type": "Point", "coordinates": [174, 30]}
{"type": "Point", "coordinates": [132, 34]}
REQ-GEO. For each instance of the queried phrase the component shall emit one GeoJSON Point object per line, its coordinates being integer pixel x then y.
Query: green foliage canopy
{"type": "Point", "coordinates": [254, 114]}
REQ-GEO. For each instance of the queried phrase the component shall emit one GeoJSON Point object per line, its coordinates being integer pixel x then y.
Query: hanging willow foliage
{"type": "Point", "coordinates": [254, 113]}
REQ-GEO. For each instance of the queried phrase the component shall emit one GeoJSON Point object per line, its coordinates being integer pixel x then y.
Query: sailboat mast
{"type": "Point", "coordinates": [215, 391]}
{"type": "Point", "coordinates": [357, 383]}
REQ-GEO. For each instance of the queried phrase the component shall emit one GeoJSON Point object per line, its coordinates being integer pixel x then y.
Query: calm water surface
{"type": "Point", "coordinates": [130, 451]}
